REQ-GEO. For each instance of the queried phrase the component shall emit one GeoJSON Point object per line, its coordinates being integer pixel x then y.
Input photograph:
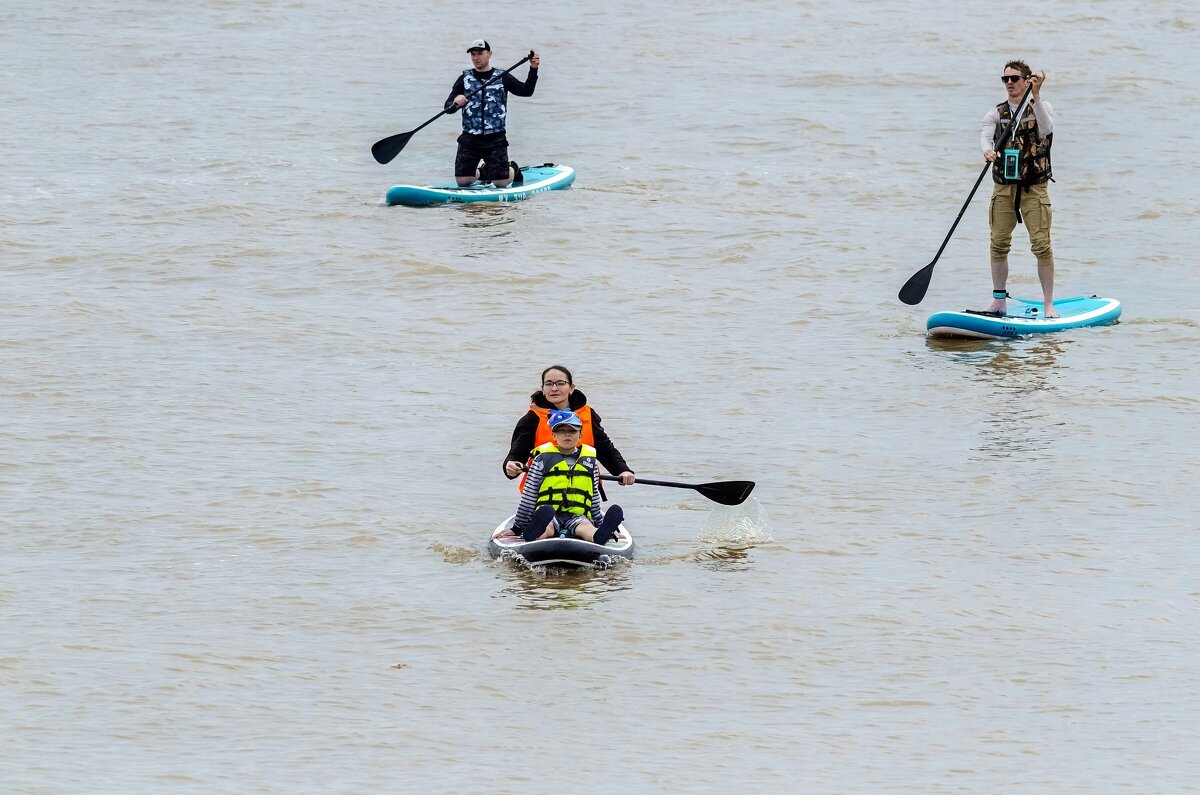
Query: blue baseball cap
{"type": "Point", "coordinates": [564, 417]}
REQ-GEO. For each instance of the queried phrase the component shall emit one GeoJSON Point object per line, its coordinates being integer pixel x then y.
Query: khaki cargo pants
{"type": "Point", "coordinates": [1035, 213]}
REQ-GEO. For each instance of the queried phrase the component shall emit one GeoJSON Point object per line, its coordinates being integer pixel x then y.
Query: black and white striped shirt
{"type": "Point", "coordinates": [533, 483]}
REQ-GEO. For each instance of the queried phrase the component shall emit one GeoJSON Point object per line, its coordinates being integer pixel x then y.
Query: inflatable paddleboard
{"type": "Point", "coordinates": [1025, 317]}
{"type": "Point", "coordinates": [561, 551]}
{"type": "Point", "coordinates": [538, 179]}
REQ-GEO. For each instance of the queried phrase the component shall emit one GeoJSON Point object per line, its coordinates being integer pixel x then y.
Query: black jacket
{"type": "Point", "coordinates": [523, 435]}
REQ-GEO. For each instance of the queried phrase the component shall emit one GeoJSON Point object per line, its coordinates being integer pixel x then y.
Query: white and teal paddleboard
{"type": "Point", "coordinates": [1025, 317]}
{"type": "Point", "coordinates": [538, 179]}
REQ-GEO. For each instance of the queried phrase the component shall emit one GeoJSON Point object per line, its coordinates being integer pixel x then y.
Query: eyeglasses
{"type": "Point", "coordinates": [1011, 78]}
{"type": "Point", "coordinates": [559, 384]}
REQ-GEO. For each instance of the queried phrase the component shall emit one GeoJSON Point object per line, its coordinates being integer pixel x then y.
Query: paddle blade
{"type": "Point", "coordinates": [729, 492]}
{"type": "Point", "coordinates": [914, 289]}
{"type": "Point", "coordinates": [386, 149]}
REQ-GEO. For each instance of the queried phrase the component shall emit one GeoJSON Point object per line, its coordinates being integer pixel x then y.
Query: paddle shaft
{"type": "Point", "coordinates": [382, 150]}
{"type": "Point", "coordinates": [962, 211]}
{"type": "Point", "coordinates": [615, 479]}
{"type": "Point", "coordinates": [1009, 133]}
{"type": "Point", "coordinates": [914, 289]}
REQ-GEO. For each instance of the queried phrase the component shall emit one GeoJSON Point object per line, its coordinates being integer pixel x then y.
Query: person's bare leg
{"type": "Point", "coordinates": [1045, 269]}
{"type": "Point", "coordinates": [999, 280]}
{"type": "Point", "coordinates": [585, 530]}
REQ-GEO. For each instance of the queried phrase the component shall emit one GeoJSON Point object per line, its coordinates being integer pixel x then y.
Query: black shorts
{"type": "Point", "coordinates": [492, 149]}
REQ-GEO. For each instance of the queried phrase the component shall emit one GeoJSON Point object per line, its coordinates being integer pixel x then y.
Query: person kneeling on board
{"type": "Point", "coordinates": [484, 117]}
{"type": "Point", "coordinates": [562, 490]}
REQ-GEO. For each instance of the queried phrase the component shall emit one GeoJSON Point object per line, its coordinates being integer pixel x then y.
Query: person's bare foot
{"type": "Point", "coordinates": [998, 305]}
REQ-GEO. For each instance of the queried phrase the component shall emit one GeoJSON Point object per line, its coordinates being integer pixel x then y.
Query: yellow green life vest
{"type": "Point", "coordinates": [566, 480]}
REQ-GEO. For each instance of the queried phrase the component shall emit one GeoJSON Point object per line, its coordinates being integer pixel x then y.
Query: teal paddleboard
{"type": "Point", "coordinates": [537, 179]}
{"type": "Point", "coordinates": [1025, 317]}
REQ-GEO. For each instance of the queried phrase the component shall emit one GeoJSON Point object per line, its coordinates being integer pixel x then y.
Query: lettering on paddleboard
{"type": "Point", "coordinates": [508, 197]}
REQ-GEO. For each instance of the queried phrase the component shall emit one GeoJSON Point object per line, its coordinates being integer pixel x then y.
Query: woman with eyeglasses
{"type": "Point", "coordinates": [558, 392]}
{"type": "Point", "coordinates": [1020, 171]}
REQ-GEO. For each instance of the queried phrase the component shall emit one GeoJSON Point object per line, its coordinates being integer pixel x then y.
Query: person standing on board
{"type": "Point", "coordinates": [1020, 171]}
{"type": "Point", "coordinates": [533, 430]}
{"type": "Point", "coordinates": [483, 117]}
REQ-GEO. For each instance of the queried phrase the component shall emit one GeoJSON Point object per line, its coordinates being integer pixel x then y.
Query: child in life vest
{"type": "Point", "coordinates": [562, 490]}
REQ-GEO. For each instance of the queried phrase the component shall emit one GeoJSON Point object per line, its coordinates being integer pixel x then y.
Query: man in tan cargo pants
{"type": "Point", "coordinates": [1021, 172]}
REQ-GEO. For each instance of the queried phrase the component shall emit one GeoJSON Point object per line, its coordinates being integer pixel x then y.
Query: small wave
{"type": "Point", "coordinates": [454, 554]}
{"type": "Point", "coordinates": [737, 525]}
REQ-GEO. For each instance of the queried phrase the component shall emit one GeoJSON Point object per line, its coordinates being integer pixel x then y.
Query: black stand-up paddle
{"type": "Point", "coordinates": [386, 149]}
{"type": "Point", "coordinates": [914, 289]}
{"type": "Point", "coordinates": [727, 492]}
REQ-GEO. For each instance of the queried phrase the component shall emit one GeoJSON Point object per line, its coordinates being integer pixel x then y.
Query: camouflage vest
{"type": "Point", "coordinates": [486, 110]}
{"type": "Point", "coordinates": [1035, 153]}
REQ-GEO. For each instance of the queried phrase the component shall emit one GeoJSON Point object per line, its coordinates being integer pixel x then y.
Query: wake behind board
{"type": "Point", "coordinates": [1025, 317]}
{"type": "Point", "coordinates": [538, 179]}
{"type": "Point", "coordinates": [561, 551]}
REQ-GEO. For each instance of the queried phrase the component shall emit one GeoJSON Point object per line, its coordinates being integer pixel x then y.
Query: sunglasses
{"type": "Point", "coordinates": [1011, 78]}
